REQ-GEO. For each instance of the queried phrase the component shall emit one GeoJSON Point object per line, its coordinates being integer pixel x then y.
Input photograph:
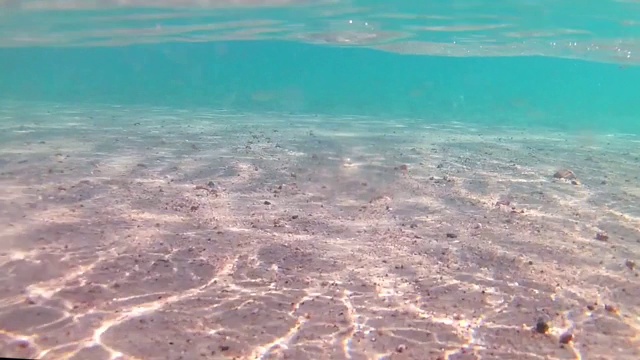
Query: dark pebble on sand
{"type": "Point", "coordinates": [452, 235]}
{"type": "Point", "coordinates": [566, 338]}
{"type": "Point", "coordinates": [294, 217]}
{"type": "Point", "coordinates": [541, 326]}
{"type": "Point", "coordinates": [564, 174]}
{"type": "Point", "coordinates": [630, 264]}
{"type": "Point", "coordinates": [505, 202]}
{"type": "Point", "coordinates": [267, 202]}
{"type": "Point", "coordinates": [602, 236]}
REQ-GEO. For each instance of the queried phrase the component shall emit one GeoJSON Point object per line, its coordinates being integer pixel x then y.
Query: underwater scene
{"type": "Point", "coordinates": [329, 179]}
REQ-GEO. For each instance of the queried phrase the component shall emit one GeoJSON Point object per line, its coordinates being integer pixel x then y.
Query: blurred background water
{"type": "Point", "coordinates": [532, 63]}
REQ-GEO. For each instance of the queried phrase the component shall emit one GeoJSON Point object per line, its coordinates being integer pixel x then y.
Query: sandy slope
{"type": "Point", "coordinates": [142, 233]}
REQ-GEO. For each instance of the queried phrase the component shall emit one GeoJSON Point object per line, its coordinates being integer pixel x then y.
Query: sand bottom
{"type": "Point", "coordinates": [132, 233]}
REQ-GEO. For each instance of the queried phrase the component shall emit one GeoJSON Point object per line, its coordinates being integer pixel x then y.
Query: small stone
{"type": "Point", "coordinates": [541, 326]}
{"type": "Point", "coordinates": [575, 182]}
{"type": "Point", "coordinates": [612, 309]}
{"type": "Point", "coordinates": [452, 235]}
{"type": "Point", "coordinates": [566, 338]}
{"type": "Point", "coordinates": [401, 348]}
{"type": "Point", "coordinates": [267, 202]}
{"type": "Point", "coordinates": [211, 184]}
{"type": "Point", "coordinates": [293, 217]}
{"type": "Point", "coordinates": [564, 174]}
{"type": "Point", "coordinates": [505, 202]}
{"type": "Point", "coordinates": [630, 264]}
{"type": "Point", "coordinates": [602, 236]}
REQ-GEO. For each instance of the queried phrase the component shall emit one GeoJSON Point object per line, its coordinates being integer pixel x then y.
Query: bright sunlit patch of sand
{"type": "Point", "coordinates": [48, 288]}
{"type": "Point", "coordinates": [261, 352]}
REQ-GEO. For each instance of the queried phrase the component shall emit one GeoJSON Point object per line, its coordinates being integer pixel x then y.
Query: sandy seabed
{"type": "Point", "coordinates": [133, 233]}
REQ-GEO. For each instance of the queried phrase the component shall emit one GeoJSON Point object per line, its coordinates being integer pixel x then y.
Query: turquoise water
{"type": "Point", "coordinates": [531, 63]}
{"type": "Point", "coordinates": [302, 78]}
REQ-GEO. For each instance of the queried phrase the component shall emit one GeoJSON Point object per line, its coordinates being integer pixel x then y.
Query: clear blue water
{"type": "Point", "coordinates": [518, 62]}
{"type": "Point", "coordinates": [302, 78]}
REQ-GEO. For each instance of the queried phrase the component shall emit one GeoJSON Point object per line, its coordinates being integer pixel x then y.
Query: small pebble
{"type": "Point", "coordinates": [630, 264]}
{"type": "Point", "coordinates": [564, 174]}
{"type": "Point", "coordinates": [400, 348]}
{"type": "Point", "coordinates": [452, 235]}
{"type": "Point", "coordinates": [566, 338]}
{"type": "Point", "coordinates": [267, 202]}
{"type": "Point", "coordinates": [541, 326]}
{"type": "Point", "coordinates": [505, 202]}
{"type": "Point", "coordinates": [612, 309]}
{"type": "Point", "coordinates": [602, 236]}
